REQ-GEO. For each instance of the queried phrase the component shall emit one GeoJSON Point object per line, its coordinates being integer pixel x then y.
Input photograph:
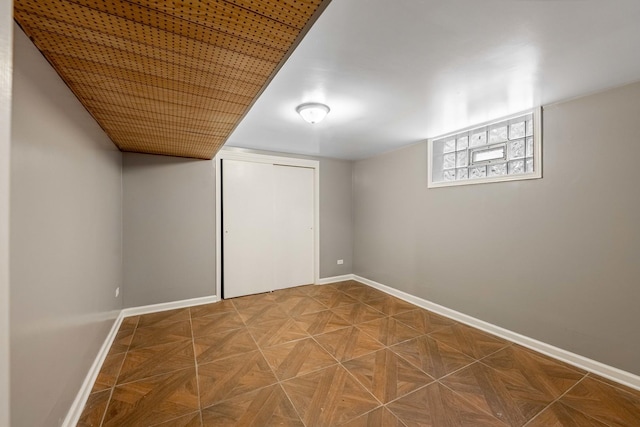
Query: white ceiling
{"type": "Point", "coordinates": [395, 72]}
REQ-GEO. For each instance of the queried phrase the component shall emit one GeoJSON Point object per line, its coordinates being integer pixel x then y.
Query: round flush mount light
{"type": "Point", "coordinates": [313, 112]}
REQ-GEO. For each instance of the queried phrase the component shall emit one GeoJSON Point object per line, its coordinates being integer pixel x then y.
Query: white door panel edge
{"type": "Point", "coordinates": [226, 154]}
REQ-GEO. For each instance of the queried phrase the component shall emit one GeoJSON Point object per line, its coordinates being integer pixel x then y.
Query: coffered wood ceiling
{"type": "Point", "coordinates": [167, 77]}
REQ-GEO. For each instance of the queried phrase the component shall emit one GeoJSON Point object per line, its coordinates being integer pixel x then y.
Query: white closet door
{"type": "Point", "coordinates": [293, 228]}
{"type": "Point", "coordinates": [248, 216]}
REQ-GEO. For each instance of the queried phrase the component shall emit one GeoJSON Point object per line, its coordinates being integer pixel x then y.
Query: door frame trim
{"type": "Point", "coordinates": [230, 154]}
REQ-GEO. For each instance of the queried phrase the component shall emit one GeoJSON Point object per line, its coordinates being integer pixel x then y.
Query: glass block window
{"type": "Point", "coordinates": [504, 150]}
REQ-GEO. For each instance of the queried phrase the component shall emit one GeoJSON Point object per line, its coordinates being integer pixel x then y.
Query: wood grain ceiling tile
{"type": "Point", "coordinates": [202, 62]}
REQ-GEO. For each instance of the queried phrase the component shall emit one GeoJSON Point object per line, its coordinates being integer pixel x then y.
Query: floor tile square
{"type": "Point", "coordinates": [348, 343]}
{"type": "Point", "coordinates": [321, 322]}
{"type": "Point", "coordinates": [540, 371]}
{"type": "Point", "coordinates": [94, 409]}
{"type": "Point", "coordinates": [333, 298]}
{"type": "Point", "coordinates": [160, 359]}
{"type": "Point", "coordinates": [122, 341]}
{"type": "Point", "coordinates": [262, 313]}
{"type": "Point", "coordinates": [423, 320]}
{"type": "Point", "coordinates": [329, 397]}
{"type": "Point", "coordinates": [559, 415]}
{"type": "Point", "coordinates": [433, 357]}
{"type": "Point", "coordinates": [610, 405]}
{"type": "Point", "coordinates": [218, 307]}
{"type": "Point", "coordinates": [129, 323]}
{"type": "Point", "coordinates": [297, 305]}
{"type": "Point", "coordinates": [161, 334]}
{"type": "Point", "coordinates": [163, 317]}
{"type": "Point", "coordinates": [388, 330]}
{"type": "Point", "coordinates": [357, 313]}
{"type": "Point", "coordinates": [268, 406]}
{"type": "Point", "coordinates": [216, 323]}
{"type": "Point", "coordinates": [437, 406]}
{"type": "Point", "coordinates": [380, 417]}
{"type": "Point", "coordinates": [153, 400]}
{"type": "Point", "coordinates": [390, 305]}
{"type": "Point", "coordinates": [470, 341]}
{"type": "Point", "coordinates": [297, 358]}
{"type": "Point", "coordinates": [189, 420]}
{"type": "Point", "coordinates": [108, 372]}
{"type": "Point", "coordinates": [242, 303]}
{"type": "Point", "coordinates": [226, 344]}
{"type": "Point", "coordinates": [386, 375]}
{"type": "Point", "coordinates": [276, 332]}
{"type": "Point", "coordinates": [228, 378]}
{"type": "Point", "coordinates": [508, 397]}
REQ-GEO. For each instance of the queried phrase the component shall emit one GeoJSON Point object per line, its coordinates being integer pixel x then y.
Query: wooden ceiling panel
{"type": "Point", "coordinates": [167, 77]}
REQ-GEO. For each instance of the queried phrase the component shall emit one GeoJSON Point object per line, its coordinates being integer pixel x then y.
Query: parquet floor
{"type": "Point", "coordinates": [337, 355]}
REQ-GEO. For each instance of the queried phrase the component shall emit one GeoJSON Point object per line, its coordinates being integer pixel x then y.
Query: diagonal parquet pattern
{"type": "Point", "coordinates": [342, 354]}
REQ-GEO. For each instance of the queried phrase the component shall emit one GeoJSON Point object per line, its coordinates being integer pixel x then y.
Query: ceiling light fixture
{"type": "Point", "coordinates": [313, 112]}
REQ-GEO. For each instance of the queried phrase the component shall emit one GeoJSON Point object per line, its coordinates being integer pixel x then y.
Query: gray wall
{"type": "Point", "coordinates": [6, 61]}
{"type": "Point", "coordinates": [336, 217]}
{"type": "Point", "coordinates": [65, 247]}
{"type": "Point", "coordinates": [555, 259]}
{"type": "Point", "coordinates": [169, 229]}
{"type": "Point", "coordinates": [169, 226]}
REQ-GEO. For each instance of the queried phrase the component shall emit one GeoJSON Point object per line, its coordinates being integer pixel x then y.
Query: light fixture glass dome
{"type": "Point", "coordinates": [313, 112]}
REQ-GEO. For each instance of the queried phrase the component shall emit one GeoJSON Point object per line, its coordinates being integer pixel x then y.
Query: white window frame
{"type": "Point", "coordinates": [537, 153]}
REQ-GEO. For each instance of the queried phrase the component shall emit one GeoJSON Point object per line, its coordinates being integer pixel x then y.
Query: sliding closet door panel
{"type": "Point", "coordinates": [248, 232]}
{"type": "Point", "coordinates": [293, 227]}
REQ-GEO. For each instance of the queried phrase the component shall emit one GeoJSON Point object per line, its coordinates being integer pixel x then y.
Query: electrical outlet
{"type": "Point", "coordinates": [117, 292]}
{"type": "Point", "coordinates": [340, 261]}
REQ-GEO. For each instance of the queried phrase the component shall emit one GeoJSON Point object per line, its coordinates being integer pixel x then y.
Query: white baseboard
{"type": "Point", "coordinates": [73, 416]}
{"type": "Point", "coordinates": [606, 371]}
{"type": "Point", "coordinates": [334, 279]}
{"type": "Point", "coordinates": [154, 308]}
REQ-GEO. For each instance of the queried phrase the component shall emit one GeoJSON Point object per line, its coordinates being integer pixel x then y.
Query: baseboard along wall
{"type": "Point", "coordinates": [606, 371]}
